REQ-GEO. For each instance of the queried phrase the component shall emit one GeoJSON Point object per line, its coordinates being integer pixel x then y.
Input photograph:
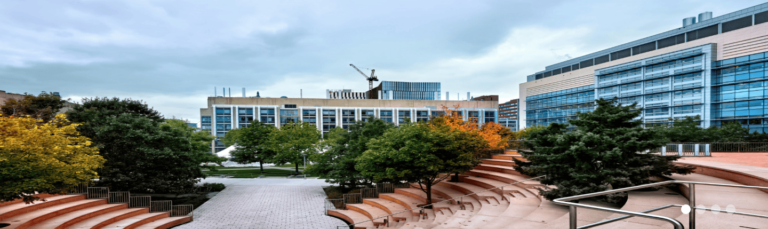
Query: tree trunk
{"type": "Point", "coordinates": [455, 177]}
{"type": "Point", "coordinates": [297, 168]}
{"type": "Point", "coordinates": [429, 194]}
{"type": "Point", "coordinates": [261, 165]}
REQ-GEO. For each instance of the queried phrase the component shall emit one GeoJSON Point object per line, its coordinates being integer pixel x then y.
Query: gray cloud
{"type": "Point", "coordinates": [172, 53]}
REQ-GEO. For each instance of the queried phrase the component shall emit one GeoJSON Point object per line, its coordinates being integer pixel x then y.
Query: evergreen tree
{"type": "Point", "coordinates": [605, 151]}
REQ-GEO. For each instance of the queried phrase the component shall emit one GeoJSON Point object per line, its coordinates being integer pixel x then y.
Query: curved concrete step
{"type": "Point", "coordinates": [498, 162]}
{"type": "Point", "coordinates": [405, 201]}
{"type": "Point", "coordinates": [165, 223]}
{"type": "Point", "coordinates": [136, 221]}
{"type": "Point", "coordinates": [508, 190]}
{"type": "Point", "coordinates": [507, 157]}
{"type": "Point", "coordinates": [511, 152]}
{"type": "Point", "coordinates": [352, 217]}
{"type": "Point", "coordinates": [69, 219]}
{"type": "Point", "coordinates": [42, 196]}
{"type": "Point", "coordinates": [475, 191]}
{"type": "Point", "coordinates": [109, 218]}
{"type": "Point", "coordinates": [418, 194]}
{"type": "Point", "coordinates": [391, 208]}
{"type": "Point", "coordinates": [506, 178]}
{"type": "Point", "coordinates": [498, 168]}
{"type": "Point", "coordinates": [541, 217]}
{"type": "Point", "coordinates": [41, 215]}
{"type": "Point", "coordinates": [470, 203]}
{"type": "Point", "coordinates": [19, 207]}
{"type": "Point", "coordinates": [370, 211]}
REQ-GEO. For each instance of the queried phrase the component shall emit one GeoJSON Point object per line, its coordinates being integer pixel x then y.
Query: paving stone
{"type": "Point", "coordinates": [265, 203]}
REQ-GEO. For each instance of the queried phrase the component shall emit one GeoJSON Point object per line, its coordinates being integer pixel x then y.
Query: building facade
{"type": "Point", "coordinates": [509, 109]}
{"type": "Point", "coordinates": [225, 113]}
{"type": "Point", "coordinates": [714, 69]}
{"type": "Point", "coordinates": [509, 123]}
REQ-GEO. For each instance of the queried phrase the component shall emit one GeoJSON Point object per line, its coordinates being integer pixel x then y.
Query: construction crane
{"type": "Point", "coordinates": [369, 78]}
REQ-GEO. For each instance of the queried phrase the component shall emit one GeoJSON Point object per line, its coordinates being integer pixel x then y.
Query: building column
{"type": "Point", "coordinates": [301, 115]}
{"type": "Point", "coordinates": [338, 117]}
{"type": "Point", "coordinates": [277, 116]}
{"type": "Point", "coordinates": [233, 116]}
{"type": "Point", "coordinates": [236, 116]}
{"type": "Point", "coordinates": [213, 123]}
{"type": "Point", "coordinates": [257, 115]}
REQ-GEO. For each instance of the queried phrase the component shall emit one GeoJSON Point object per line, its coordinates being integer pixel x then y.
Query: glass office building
{"type": "Point", "coordinates": [409, 90]}
{"type": "Point", "coordinates": [714, 69]}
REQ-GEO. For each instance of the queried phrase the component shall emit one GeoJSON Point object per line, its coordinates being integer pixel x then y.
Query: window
{"type": "Point", "coordinates": [688, 77]}
{"type": "Point", "coordinates": [657, 97]}
{"type": "Point", "coordinates": [347, 118]}
{"type": "Point", "coordinates": [386, 115]}
{"type": "Point", "coordinates": [657, 111]}
{"type": "Point", "coordinates": [367, 115]}
{"type": "Point", "coordinates": [631, 86]}
{"type": "Point", "coordinates": [205, 119]}
{"type": "Point", "coordinates": [688, 109]}
{"type": "Point", "coordinates": [657, 82]}
{"type": "Point", "coordinates": [402, 116]}
{"type": "Point", "coordinates": [288, 116]}
{"type": "Point", "coordinates": [289, 106]}
{"type": "Point", "coordinates": [329, 120]}
{"type": "Point", "coordinates": [490, 116]}
{"type": "Point", "coordinates": [422, 116]}
{"type": "Point", "coordinates": [268, 115]}
{"type": "Point", "coordinates": [688, 93]}
{"type": "Point", "coordinates": [309, 116]}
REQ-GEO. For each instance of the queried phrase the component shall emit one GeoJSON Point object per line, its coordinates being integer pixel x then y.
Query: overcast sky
{"type": "Point", "coordinates": [172, 54]}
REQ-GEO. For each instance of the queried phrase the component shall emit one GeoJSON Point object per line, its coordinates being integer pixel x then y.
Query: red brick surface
{"type": "Point", "coordinates": [751, 159]}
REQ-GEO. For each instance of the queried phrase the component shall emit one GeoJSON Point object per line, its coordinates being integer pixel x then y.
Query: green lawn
{"type": "Point", "coordinates": [250, 173]}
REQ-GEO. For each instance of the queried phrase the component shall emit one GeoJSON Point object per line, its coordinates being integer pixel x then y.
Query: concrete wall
{"type": "Point", "coordinates": [4, 96]}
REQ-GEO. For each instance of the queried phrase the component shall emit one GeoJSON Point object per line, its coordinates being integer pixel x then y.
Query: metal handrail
{"type": "Point", "coordinates": [677, 225]}
{"type": "Point", "coordinates": [429, 205]}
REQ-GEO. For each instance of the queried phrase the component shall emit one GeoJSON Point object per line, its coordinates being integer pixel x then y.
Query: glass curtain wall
{"type": "Point", "coordinates": [268, 115]}
{"type": "Point", "coordinates": [740, 92]}
{"type": "Point", "coordinates": [245, 116]}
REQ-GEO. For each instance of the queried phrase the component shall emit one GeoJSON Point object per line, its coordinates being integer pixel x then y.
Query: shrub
{"type": "Point", "coordinates": [215, 187]}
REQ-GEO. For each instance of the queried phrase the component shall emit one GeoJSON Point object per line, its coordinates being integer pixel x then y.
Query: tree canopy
{"type": "Point", "coordinates": [251, 143]}
{"type": "Point", "coordinates": [337, 163]}
{"type": "Point", "coordinates": [201, 141]}
{"type": "Point", "coordinates": [142, 155]}
{"type": "Point", "coordinates": [49, 157]}
{"type": "Point", "coordinates": [605, 151]}
{"type": "Point", "coordinates": [43, 106]}
{"type": "Point", "coordinates": [415, 153]}
{"type": "Point", "coordinates": [292, 141]}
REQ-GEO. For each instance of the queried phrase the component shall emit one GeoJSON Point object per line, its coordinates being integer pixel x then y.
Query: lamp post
{"type": "Point", "coordinates": [305, 166]}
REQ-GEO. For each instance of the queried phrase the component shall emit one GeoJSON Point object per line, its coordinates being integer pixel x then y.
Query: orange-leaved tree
{"type": "Point", "coordinates": [490, 136]}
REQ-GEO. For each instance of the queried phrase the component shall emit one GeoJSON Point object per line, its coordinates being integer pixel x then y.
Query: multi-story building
{"type": "Point", "coordinates": [509, 109]}
{"type": "Point", "coordinates": [508, 123]}
{"type": "Point", "coordinates": [713, 69]}
{"type": "Point", "coordinates": [391, 90]}
{"type": "Point", "coordinates": [486, 98]}
{"type": "Point", "coordinates": [226, 113]}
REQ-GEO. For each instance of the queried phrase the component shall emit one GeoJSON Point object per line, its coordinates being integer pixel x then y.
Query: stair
{"type": "Point", "coordinates": [498, 162]}
{"type": "Point", "coordinates": [136, 221]}
{"type": "Point", "coordinates": [370, 211]}
{"type": "Point", "coordinates": [35, 217]}
{"type": "Point", "coordinates": [352, 217]}
{"type": "Point", "coordinates": [498, 168]}
{"type": "Point", "coordinates": [79, 212]}
{"type": "Point", "coordinates": [69, 219]}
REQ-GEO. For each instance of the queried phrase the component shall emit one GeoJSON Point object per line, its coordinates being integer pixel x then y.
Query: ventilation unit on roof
{"type": "Point", "coordinates": [705, 16]}
{"type": "Point", "coordinates": [689, 21]}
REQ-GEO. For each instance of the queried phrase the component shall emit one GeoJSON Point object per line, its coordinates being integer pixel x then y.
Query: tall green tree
{"type": "Point", "coordinates": [200, 141]}
{"type": "Point", "coordinates": [251, 143]}
{"type": "Point", "coordinates": [342, 147]}
{"type": "Point", "coordinates": [43, 106]}
{"type": "Point", "coordinates": [414, 153]}
{"type": "Point", "coordinates": [603, 152]}
{"type": "Point", "coordinates": [292, 141]}
{"type": "Point", "coordinates": [141, 154]}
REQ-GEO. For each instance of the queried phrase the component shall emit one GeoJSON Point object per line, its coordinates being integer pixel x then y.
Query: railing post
{"type": "Point", "coordinates": [680, 150]}
{"type": "Point", "coordinates": [696, 150]}
{"type": "Point", "coordinates": [706, 150]}
{"type": "Point", "coordinates": [692, 203]}
{"type": "Point", "coordinates": [572, 216]}
{"type": "Point", "coordinates": [663, 151]}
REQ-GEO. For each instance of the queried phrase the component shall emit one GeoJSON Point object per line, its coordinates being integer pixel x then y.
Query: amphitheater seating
{"type": "Point", "coordinates": [76, 211]}
{"type": "Point", "coordinates": [520, 206]}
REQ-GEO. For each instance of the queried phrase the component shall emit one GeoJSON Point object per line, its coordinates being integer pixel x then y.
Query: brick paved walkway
{"type": "Point", "coordinates": [265, 203]}
{"type": "Point", "coordinates": [751, 159]}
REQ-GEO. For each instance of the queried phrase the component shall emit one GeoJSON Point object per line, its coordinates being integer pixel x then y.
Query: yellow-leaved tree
{"type": "Point", "coordinates": [40, 157]}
